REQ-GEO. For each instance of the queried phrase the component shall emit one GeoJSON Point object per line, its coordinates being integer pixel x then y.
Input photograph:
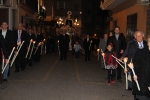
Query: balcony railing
{"type": "Point", "coordinates": [143, 2]}
{"type": "Point", "coordinates": [110, 4]}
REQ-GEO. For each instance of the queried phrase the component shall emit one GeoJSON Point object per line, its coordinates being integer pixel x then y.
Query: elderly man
{"type": "Point", "coordinates": [134, 46]}
{"type": "Point", "coordinates": [139, 43]}
{"type": "Point", "coordinates": [102, 46]}
{"type": "Point", "coordinates": [20, 36]}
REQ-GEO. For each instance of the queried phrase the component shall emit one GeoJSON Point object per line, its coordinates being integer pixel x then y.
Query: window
{"type": "Point", "coordinates": [131, 25]}
{"type": "Point", "coordinates": [114, 24]}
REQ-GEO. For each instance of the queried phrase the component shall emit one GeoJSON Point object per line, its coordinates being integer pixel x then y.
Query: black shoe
{"type": "Point", "coordinates": [4, 80]}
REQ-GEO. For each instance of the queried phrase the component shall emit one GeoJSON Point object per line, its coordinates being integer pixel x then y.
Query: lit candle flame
{"type": "Point", "coordinates": [125, 59]}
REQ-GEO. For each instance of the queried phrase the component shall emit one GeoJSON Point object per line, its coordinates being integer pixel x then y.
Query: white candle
{"type": "Point", "coordinates": [17, 53]}
{"type": "Point", "coordinates": [103, 59]}
{"type": "Point", "coordinates": [131, 67]}
{"type": "Point", "coordinates": [42, 46]}
{"type": "Point", "coordinates": [8, 59]}
{"type": "Point", "coordinates": [98, 53]}
{"type": "Point", "coordinates": [37, 47]}
{"type": "Point", "coordinates": [90, 44]}
{"type": "Point", "coordinates": [18, 44]}
{"type": "Point", "coordinates": [125, 61]}
{"type": "Point", "coordinates": [120, 64]}
{"type": "Point", "coordinates": [32, 50]}
{"type": "Point", "coordinates": [117, 59]}
{"type": "Point", "coordinates": [58, 48]}
{"type": "Point", "coordinates": [29, 48]}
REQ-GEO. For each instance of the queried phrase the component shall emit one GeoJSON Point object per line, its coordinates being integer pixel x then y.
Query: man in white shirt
{"type": "Point", "coordinates": [9, 44]}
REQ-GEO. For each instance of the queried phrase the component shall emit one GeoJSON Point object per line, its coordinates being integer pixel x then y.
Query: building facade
{"type": "Point", "coordinates": [19, 11]}
{"type": "Point", "coordinates": [94, 20]}
{"type": "Point", "coordinates": [128, 14]}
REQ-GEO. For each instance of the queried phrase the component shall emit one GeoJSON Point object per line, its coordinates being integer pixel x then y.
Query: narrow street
{"type": "Point", "coordinates": [71, 79]}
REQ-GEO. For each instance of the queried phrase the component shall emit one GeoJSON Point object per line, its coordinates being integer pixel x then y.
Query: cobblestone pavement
{"type": "Point", "coordinates": [71, 79]}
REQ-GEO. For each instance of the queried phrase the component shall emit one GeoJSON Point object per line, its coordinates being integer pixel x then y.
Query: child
{"type": "Point", "coordinates": [77, 49]}
{"type": "Point", "coordinates": [111, 63]}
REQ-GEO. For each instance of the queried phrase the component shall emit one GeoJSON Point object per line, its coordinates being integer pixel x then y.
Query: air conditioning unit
{"type": "Point", "coordinates": [143, 2]}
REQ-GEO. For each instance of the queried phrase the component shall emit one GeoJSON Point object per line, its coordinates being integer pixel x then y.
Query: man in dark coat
{"type": "Point", "coordinates": [134, 46]}
{"type": "Point", "coordinates": [139, 35]}
{"type": "Point", "coordinates": [9, 43]}
{"type": "Point", "coordinates": [64, 45]}
{"type": "Point", "coordinates": [119, 44]}
{"type": "Point", "coordinates": [5, 54]}
{"type": "Point", "coordinates": [49, 44]}
{"type": "Point", "coordinates": [40, 38]}
{"type": "Point", "coordinates": [21, 36]}
{"type": "Point", "coordinates": [87, 43]}
{"type": "Point", "coordinates": [30, 37]}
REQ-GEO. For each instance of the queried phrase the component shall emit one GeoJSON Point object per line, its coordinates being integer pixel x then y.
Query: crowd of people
{"type": "Point", "coordinates": [136, 49]}
{"type": "Point", "coordinates": [29, 44]}
{"type": "Point", "coordinates": [27, 48]}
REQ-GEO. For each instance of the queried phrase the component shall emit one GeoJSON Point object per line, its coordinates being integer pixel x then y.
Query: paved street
{"type": "Point", "coordinates": [52, 79]}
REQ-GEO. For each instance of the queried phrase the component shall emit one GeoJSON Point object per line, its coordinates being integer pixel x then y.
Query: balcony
{"type": "Point", "coordinates": [110, 4]}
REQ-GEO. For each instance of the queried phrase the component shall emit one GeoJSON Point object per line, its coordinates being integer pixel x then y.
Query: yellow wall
{"type": "Point", "coordinates": [121, 18]}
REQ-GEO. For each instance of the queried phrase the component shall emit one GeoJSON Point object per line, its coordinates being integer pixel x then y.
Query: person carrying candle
{"type": "Point", "coordinates": [77, 49]}
{"type": "Point", "coordinates": [87, 47]}
{"type": "Point", "coordinates": [20, 36]}
{"type": "Point", "coordinates": [4, 53]}
{"type": "Point", "coordinates": [111, 63]}
{"type": "Point", "coordinates": [142, 70]}
{"type": "Point", "coordinates": [31, 38]}
{"type": "Point", "coordinates": [102, 46]}
{"type": "Point", "coordinates": [9, 43]}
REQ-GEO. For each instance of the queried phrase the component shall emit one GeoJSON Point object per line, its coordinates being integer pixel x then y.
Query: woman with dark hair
{"type": "Point", "coordinates": [110, 34]}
